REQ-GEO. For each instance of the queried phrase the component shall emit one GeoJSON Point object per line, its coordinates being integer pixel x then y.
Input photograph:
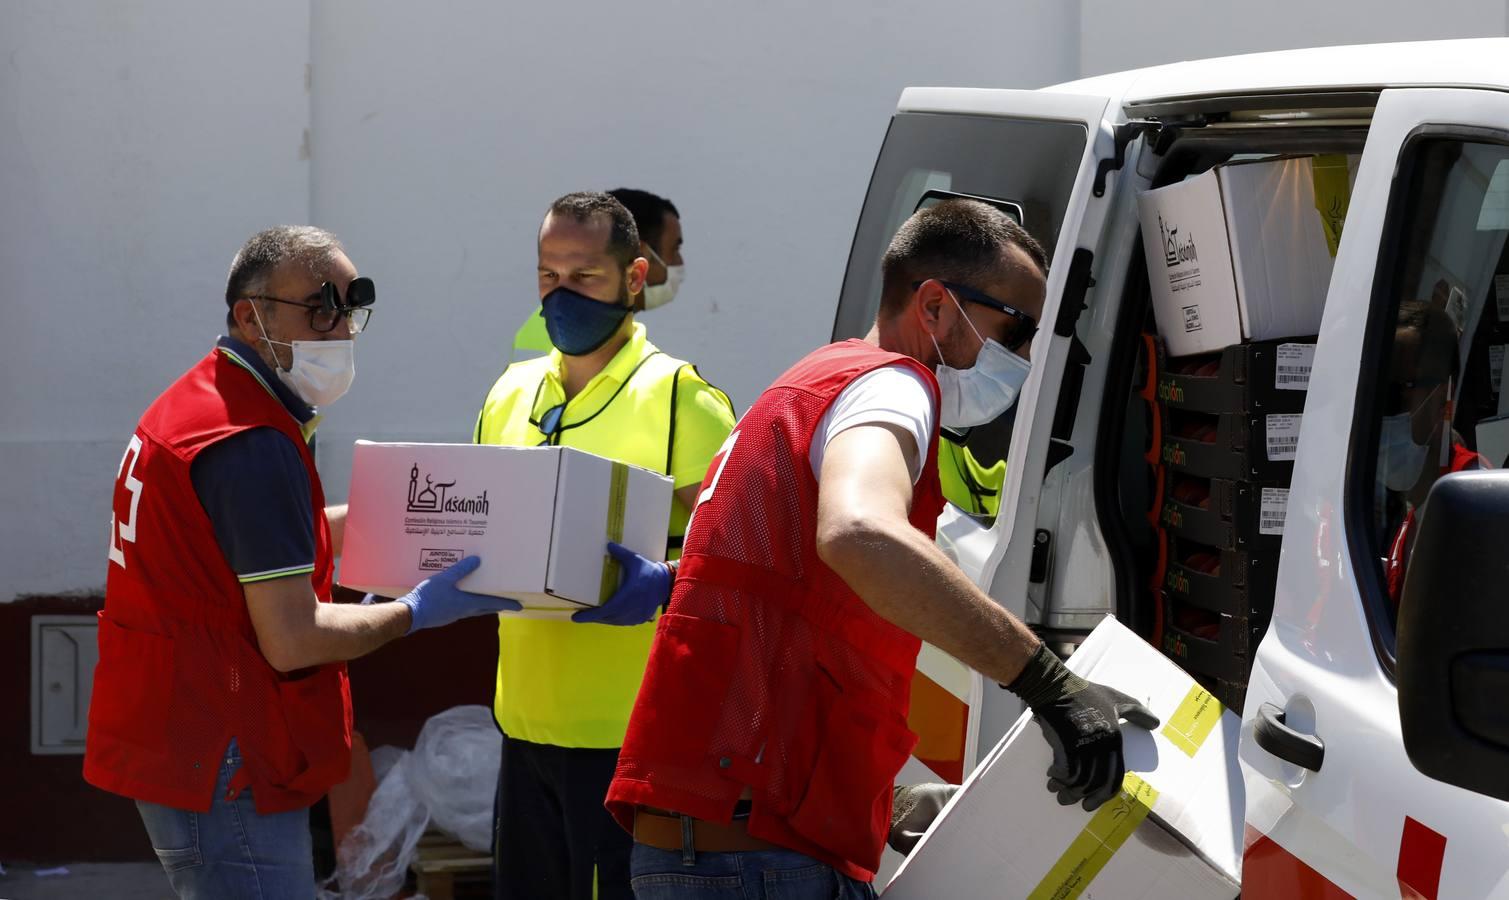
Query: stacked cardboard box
{"type": "Point", "coordinates": [1239, 259]}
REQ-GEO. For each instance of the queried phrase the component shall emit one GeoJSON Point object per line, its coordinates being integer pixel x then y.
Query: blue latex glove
{"type": "Point", "coordinates": [646, 587]}
{"type": "Point", "coordinates": [437, 601]}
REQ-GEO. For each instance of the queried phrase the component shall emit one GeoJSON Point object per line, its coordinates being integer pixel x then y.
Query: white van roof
{"type": "Point", "coordinates": [1480, 62]}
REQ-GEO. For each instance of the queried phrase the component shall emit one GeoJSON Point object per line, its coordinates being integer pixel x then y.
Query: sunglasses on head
{"type": "Point", "coordinates": [326, 306]}
{"type": "Point", "coordinates": [1023, 326]}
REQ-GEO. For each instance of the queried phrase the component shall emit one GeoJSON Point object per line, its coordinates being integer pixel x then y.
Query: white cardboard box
{"type": "Point", "coordinates": [1175, 830]}
{"type": "Point", "coordinates": [1241, 252]}
{"type": "Point", "coordinates": [539, 517]}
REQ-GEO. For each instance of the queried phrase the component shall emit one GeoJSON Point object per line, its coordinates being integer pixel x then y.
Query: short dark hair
{"type": "Point", "coordinates": [582, 206]}
{"type": "Point", "coordinates": [955, 240]}
{"type": "Point", "coordinates": [649, 211]}
{"type": "Point", "coordinates": [1438, 350]}
{"type": "Point", "coordinates": [266, 250]}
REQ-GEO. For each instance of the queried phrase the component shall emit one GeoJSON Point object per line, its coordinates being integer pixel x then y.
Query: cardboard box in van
{"type": "Point", "coordinates": [539, 517]}
{"type": "Point", "coordinates": [1174, 831]}
{"type": "Point", "coordinates": [1244, 251]}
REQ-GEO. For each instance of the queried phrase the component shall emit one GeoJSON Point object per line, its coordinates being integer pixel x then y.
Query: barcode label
{"type": "Point", "coordinates": [1496, 366]}
{"type": "Point", "coordinates": [1283, 437]}
{"type": "Point", "coordinates": [1291, 371]}
{"type": "Point", "coordinates": [1501, 293]}
{"type": "Point", "coordinates": [1271, 510]}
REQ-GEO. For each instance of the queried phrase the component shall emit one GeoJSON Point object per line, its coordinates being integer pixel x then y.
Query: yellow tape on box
{"type": "Point", "coordinates": [1192, 722]}
{"type": "Point", "coordinates": [618, 491]}
{"type": "Point", "coordinates": [1106, 831]}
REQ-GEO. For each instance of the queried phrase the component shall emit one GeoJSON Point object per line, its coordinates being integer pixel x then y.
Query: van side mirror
{"type": "Point", "coordinates": [1453, 636]}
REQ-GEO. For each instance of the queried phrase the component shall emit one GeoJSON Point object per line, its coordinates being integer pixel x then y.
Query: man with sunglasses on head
{"type": "Point", "coordinates": [772, 720]}
{"type": "Point", "coordinates": [565, 687]}
{"type": "Point", "coordinates": [220, 703]}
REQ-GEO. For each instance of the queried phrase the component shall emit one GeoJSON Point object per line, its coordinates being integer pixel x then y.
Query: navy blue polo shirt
{"type": "Point", "coordinates": [255, 489]}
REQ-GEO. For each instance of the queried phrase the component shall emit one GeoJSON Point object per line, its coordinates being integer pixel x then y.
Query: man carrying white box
{"type": "Point", "coordinates": [772, 721]}
{"type": "Point", "coordinates": [565, 687]}
{"type": "Point", "coordinates": [221, 704]}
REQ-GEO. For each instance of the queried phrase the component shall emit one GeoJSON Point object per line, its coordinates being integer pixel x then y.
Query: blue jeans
{"type": "Point", "coordinates": [231, 852]}
{"type": "Point", "coordinates": [750, 875]}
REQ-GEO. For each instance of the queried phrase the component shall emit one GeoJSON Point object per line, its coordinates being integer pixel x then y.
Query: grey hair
{"type": "Point", "coordinates": [260, 256]}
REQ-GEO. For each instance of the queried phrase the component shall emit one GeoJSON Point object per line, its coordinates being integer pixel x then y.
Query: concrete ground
{"type": "Point", "coordinates": [86, 881]}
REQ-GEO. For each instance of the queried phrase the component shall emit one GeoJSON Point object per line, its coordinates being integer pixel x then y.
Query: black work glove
{"type": "Point", "coordinates": [1080, 719]}
{"type": "Point", "coordinates": [913, 809]}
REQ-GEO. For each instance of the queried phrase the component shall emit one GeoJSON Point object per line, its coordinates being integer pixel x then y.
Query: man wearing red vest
{"type": "Point", "coordinates": [772, 718]}
{"type": "Point", "coordinates": [220, 700]}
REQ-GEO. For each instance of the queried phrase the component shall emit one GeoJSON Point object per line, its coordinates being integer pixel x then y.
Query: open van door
{"type": "Point", "coordinates": [1407, 375]}
{"type": "Point", "coordinates": [1036, 155]}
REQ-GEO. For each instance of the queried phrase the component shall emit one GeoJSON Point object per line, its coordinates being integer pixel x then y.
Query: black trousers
{"type": "Point", "coordinates": [551, 835]}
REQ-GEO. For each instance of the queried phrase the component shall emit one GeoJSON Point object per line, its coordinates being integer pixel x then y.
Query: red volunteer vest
{"type": "Point", "coordinates": [179, 670]}
{"type": "Point", "coordinates": [1462, 460]}
{"type": "Point", "coordinates": [768, 672]}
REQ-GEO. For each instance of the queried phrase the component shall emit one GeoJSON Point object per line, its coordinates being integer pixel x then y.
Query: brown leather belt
{"type": "Point", "coordinates": [665, 831]}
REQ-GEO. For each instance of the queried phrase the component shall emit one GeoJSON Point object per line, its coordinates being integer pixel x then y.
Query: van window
{"type": "Point", "coordinates": [1439, 345]}
{"type": "Point", "coordinates": [1025, 167]}
{"type": "Point", "coordinates": [1030, 164]}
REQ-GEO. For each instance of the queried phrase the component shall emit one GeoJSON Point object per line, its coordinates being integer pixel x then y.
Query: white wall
{"type": "Point", "coordinates": [1118, 35]}
{"type": "Point", "coordinates": [440, 140]}
{"type": "Point", "coordinates": [140, 143]}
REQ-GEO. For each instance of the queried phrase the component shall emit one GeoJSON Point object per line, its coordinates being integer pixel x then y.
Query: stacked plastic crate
{"type": "Point", "coordinates": [1225, 428]}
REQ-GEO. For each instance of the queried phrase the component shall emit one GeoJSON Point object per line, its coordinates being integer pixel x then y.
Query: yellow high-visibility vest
{"type": "Point", "coordinates": [967, 483]}
{"type": "Point", "coordinates": [532, 339]}
{"type": "Point", "coordinates": [569, 684]}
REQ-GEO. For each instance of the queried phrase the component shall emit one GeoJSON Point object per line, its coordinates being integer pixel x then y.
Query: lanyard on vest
{"type": "Point", "coordinates": [549, 423]}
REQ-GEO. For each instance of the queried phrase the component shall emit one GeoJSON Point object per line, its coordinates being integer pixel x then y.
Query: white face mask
{"type": "Point", "coordinates": [321, 371]}
{"type": "Point", "coordinates": [661, 294]}
{"type": "Point", "coordinates": [1401, 458]}
{"type": "Point", "coordinates": [983, 392]}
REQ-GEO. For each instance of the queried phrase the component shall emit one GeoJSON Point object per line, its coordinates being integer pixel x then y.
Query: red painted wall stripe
{"type": "Point", "coordinates": [1421, 852]}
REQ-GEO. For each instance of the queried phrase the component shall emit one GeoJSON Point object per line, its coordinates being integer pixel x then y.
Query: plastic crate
{"type": "Point", "coordinates": [1259, 376]}
{"type": "Point", "coordinates": [1225, 514]}
{"type": "Point", "coordinates": [1229, 582]}
{"type": "Point", "coordinates": [1234, 446]}
{"type": "Point", "coordinates": [1220, 647]}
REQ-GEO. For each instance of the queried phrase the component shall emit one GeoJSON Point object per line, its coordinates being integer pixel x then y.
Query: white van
{"type": "Point", "coordinates": [1375, 739]}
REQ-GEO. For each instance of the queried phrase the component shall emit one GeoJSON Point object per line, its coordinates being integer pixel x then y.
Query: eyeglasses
{"type": "Point", "coordinates": [326, 308]}
{"type": "Point", "coordinates": [1024, 326]}
{"type": "Point", "coordinates": [550, 422]}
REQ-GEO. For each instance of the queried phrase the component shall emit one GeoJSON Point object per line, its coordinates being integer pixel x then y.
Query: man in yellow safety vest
{"type": "Point", "coordinates": [565, 688]}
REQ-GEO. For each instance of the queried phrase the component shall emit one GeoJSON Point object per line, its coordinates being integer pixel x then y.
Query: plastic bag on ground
{"type": "Point", "coordinates": [384, 758]}
{"type": "Point", "coordinates": [373, 861]}
{"type": "Point", "coordinates": [454, 772]}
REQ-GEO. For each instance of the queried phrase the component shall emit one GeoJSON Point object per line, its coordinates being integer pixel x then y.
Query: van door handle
{"type": "Point", "coordinates": [1304, 750]}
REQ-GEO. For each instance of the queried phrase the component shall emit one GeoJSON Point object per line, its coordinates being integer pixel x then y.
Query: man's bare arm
{"type": "Point", "coordinates": [294, 630]}
{"type": "Point", "coordinates": [863, 534]}
{"type": "Point", "coordinates": [336, 516]}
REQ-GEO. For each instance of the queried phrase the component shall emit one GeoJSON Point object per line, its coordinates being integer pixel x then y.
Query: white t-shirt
{"type": "Point", "coordinates": [890, 395]}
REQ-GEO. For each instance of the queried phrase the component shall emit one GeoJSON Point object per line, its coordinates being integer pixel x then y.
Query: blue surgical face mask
{"type": "Point", "coordinates": [577, 324]}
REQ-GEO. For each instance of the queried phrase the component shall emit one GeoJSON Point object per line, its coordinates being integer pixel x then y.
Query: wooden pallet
{"type": "Point", "coordinates": [448, 870]}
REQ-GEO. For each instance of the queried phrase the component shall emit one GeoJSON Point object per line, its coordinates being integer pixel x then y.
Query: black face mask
{"type": "Point", "coordinates": [578, 325]}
